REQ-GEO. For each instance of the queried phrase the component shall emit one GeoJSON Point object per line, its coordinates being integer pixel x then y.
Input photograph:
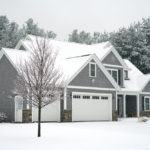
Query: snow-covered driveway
{"type": "Point", "coordinates": [127, 134]}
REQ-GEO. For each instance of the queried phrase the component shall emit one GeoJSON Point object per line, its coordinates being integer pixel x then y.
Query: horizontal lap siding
{"type": "Point", "coordinates": [83, 79]}
{"type": "Point", "coordinates": [111, 59]}
{"type": "Point", "coordinates": [7, 78]}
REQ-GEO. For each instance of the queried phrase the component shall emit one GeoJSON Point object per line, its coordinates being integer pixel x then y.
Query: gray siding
{"type": "Point", "coordinates": [83, 79]}
{"type": "Point", "coordinates": [147, 88]}
{"type": "Point", "coordinates": [111, 59]}
{"type": "Point", "coordinates": [121, 71]}
{"type": "Point", "coordinates": [69, 96]}
{"type": "Point", "coordinates": [7, 77]}
{"type": "Point", "coordinates": [141, 97]}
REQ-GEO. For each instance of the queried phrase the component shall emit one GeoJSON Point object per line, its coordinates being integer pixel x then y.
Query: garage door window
{"type": "Point", "coordinates": [95, 97]}
{"type": "Point", "coordinates": [104, 98]}
{"type": "Point", "coordinates": [76, 96]}
{"type": "Point", "coordinates": [86, 97]}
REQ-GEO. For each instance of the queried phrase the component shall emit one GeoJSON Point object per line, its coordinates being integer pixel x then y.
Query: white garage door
{"type": "Point", "coordinates": [50, 112]}
{"type": "Point", "coordinates": [91, 106]}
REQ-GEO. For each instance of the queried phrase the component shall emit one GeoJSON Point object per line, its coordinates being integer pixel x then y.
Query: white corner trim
{"type": "Point", "coordinates": [90, 88]}
{"type": "Point", "coordinates": [65, 98]}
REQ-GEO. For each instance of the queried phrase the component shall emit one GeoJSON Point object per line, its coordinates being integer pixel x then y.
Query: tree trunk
{"type": "Point", "coordinates": [39, 119]}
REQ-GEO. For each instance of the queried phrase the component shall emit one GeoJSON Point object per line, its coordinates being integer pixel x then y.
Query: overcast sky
{"type": "Point", "coordinates": [62, 16]}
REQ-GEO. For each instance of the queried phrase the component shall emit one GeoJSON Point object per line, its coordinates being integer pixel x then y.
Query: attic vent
{"type": "Point", "coordinates": [79, 56]}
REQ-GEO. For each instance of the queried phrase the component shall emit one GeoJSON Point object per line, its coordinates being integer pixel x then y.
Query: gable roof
{"type": "Point", "coordinates": [70, 49]}
{"type": "Point", "coordinates": [96, 59]}
{"type": "Point", "coordinates": [137, 80]}
{"type": "Point", "coordinates": [70, 67]}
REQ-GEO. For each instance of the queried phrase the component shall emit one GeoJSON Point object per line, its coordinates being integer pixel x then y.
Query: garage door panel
{"type": "Point", "coordinates": [50, 112]}
{"type": "Point", "coordinates": [91, 109]}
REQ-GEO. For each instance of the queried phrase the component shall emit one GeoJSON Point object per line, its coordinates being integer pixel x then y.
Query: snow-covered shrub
{"type": "Point", "coordinates": [3, 116]}
{"type": "Point", "coordinates": [143, 119]}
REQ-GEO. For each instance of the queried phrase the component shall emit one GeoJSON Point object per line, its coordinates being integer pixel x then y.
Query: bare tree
{"type": "Point", "coordinates": [38, 79]}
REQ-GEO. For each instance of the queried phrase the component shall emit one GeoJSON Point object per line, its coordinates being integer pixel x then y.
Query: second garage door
{"type": "Point", "coordinates": [91, 106]}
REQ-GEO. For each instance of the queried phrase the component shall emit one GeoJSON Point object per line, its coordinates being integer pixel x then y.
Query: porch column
{"type": "Point", "coordinates": [124, 105]}
{"type": "Point", "coordinates": [138, 106]}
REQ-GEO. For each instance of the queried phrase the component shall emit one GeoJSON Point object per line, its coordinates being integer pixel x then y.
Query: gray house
{"type": "Point", "coordinates": [98, 82]}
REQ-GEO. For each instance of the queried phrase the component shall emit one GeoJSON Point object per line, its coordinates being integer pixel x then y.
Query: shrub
{"type": "Point", "coordinates": [143, 119]}
{"type": "Point", "coordinates": [3, 116]}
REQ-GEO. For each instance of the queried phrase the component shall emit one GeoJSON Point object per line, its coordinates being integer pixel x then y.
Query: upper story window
{"type": "Point", "coordinates": [92, 69]}
{"type": "Point", "coordinates": [114, 74]}
{"type": "Point", "coordinates": [126, 75]}
{"type": "Point", "coordinates": [146, 103]}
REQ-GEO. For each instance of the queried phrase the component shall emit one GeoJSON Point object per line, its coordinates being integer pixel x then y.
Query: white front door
{"type": "Point", "coordinates": [91, 106]}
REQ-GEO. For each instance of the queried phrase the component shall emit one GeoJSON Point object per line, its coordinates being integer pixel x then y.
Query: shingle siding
{"type": "Point", "coordinates": [83, 79]}
{"type": "Point", "coordinates": [111, 59]}
{"type": "Point", "coordinates": [7, 78]}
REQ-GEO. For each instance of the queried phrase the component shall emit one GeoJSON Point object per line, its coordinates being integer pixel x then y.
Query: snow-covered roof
{"type": "Point", "coordinates": [16, 56]}
{"type": "Point", "coordinates": [68, 66]}
{"type": "Point", "coordinates": [137, 80]}
{"type": "Point", "coordinates": [70, 49]}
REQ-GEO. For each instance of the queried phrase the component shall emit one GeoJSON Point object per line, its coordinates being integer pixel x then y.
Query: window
{"type": "Point", "coordinates": [104, 97]}
{"type": "Point", "coordinates": [126, 75]}
{"type": "Point", "coordinates": [86, 97]}
{"type": "Point", "coordinates": [92, 70]}
{"type": "Point", "coordinates": [76, 96]}
{"type": "Point", "coordinates": [114, 74]}
{"type": "Point", "coordinates": [95, 97]}
{"type": "Point", "coordinates": [146, 103]}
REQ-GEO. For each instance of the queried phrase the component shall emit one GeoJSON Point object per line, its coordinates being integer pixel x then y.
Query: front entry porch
{"type": "Point", "coordinates": [128, 105]}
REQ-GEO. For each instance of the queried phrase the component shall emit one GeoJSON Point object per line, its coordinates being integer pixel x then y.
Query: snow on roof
{"type": "Point", "coordinates": [70, 49]}
{"type": "Point", "coordinates": [68, 66]}
{"type": "Point", "coordinates": [16, 56]}
{"type": "Point", "coordinates": [137, 79]}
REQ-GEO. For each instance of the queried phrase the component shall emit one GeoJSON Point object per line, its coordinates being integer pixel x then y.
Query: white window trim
{"type": "Point", "coordinates": [90, 69]}
{"type": "Point", "coordinates": [145, 103]}
{"type": "Point", "coordinates": [111, 73]}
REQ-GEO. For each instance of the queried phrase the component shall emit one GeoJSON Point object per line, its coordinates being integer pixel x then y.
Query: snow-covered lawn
{"type": "Point", "coordinates": [127, 134]}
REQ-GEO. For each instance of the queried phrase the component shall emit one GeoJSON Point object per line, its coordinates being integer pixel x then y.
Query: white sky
{"type": "Point", "coordinates": [62, 16]}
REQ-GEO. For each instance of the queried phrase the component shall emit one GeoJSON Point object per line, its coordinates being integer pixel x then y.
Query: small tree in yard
{"type": "Point", "coordinates": [38, 79]}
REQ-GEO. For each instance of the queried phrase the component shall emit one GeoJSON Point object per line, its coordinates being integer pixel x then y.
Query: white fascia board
{"type": "Point", "coordinates": [114, 51]}
{"type": "Point", "coordinates": [114, 66]}
{"type": "Point", "coordinates": [128, 92]}
{"type": "Point", "coordinates": [109, 77]}
{"type": "Point", "coordinates": [18, 44]}
{"type": "Point", "coordinates": [148, 93]}
{"type": "Point", "coordinates": [90, 88]}
{"type": "Point", "coordinates": [21, 43]}
{"type": "Point", "coordinates": [3, 52]}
